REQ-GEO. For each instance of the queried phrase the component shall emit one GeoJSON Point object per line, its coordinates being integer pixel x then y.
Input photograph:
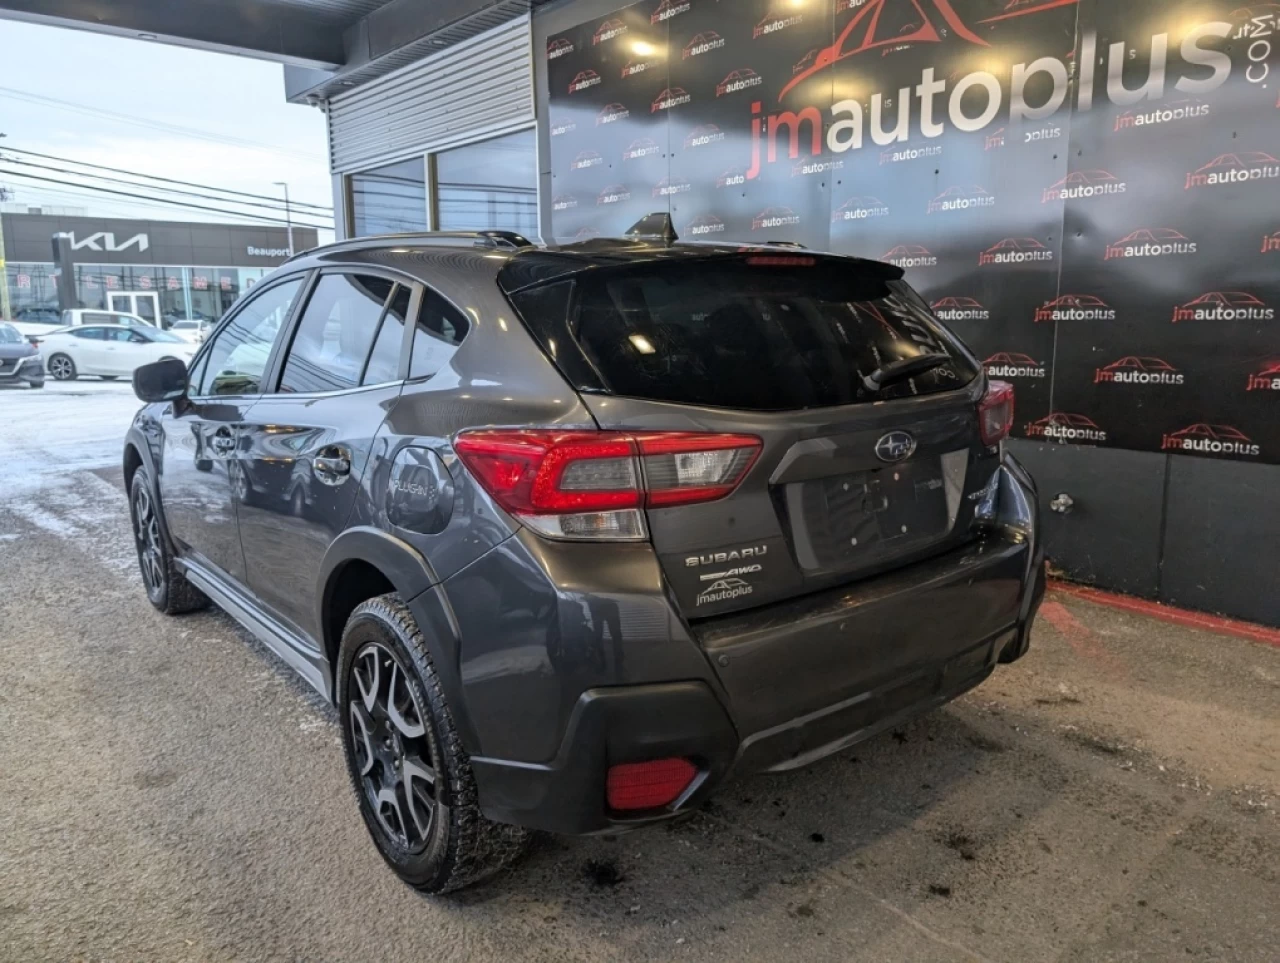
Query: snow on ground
{"type": "Point", "coordinates": [50, 441]}
{"type": "Point", "coordinates": [65, 427]}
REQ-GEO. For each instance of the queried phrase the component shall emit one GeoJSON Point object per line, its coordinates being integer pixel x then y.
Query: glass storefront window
{"type": "Point", "coordinates": [389, 200]}
{"type": "Point", "coordinates": [492, 185]}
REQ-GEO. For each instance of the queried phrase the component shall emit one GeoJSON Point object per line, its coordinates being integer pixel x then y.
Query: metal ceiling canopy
{"type": "Point", "coordinates": [327, 46]}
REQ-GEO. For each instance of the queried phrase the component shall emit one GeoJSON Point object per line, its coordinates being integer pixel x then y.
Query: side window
{"type": "Point", "coordinates": [384, 362]}
{"type": "Point", "coordinates": [238, 357]}
{"type": "Point", "coordinates": [440, 329]}
{"type": "Point", "coordinates": [90, 334]}
{"type": "Point", "coordinates": [333, 338]}
{"type": "Point", "coordinates": [90, 317]}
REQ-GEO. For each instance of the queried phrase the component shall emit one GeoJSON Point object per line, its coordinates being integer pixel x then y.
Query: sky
{"type": "Point", "coordinates": [208, 118]}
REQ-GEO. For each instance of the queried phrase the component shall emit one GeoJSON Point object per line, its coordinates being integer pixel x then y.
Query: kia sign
{"type": "Point", "coordinates": [1083, 191]}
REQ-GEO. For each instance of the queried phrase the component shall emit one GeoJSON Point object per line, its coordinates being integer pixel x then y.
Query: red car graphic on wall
{"type": "Point", "coordinates": [670, 97]}
{"type": "Point", "coordinates": [1134, 363]}
{"type": "Point", "coordinates": [906, 250]}
{"type": "Point", "coordinates": [1233, 299]}
{"type": "Point", "coordinates": [1014, 358]}
{"type": "Point", "coordinates": [956, 304]}
{"type": "Point", "coordinates": [583, 79]}
{"type": "Point", "coordinates": [1208, 433]}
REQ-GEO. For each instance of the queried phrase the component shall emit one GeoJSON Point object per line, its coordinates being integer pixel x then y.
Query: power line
{"type": "Point", "coordinates": [157, 177]}
{"type": "Point", "coordinates": [92, 111]}
{"type": "Point", "coordinates": [145, 197]}
{"type": "Point", "coordinates": [277, 206]}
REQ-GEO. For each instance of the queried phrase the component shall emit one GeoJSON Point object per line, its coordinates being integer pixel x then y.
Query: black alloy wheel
{"type": "Point", "coordinates": [410, 773]}
{"type": "Point", "coordinates": [391, 749]}
{"type": "Point", "coordinates": [146, 534]}
{"type": "Point", "coordinates": [167, 587]}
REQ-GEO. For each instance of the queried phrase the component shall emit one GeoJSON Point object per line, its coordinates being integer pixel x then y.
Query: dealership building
{"type": "Point", "coordinates": [157, 270]}
{"type": "Point", "coordinates": [1083, 191]}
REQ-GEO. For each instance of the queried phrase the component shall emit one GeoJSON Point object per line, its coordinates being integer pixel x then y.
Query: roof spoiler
{"type": "Point", "coordinates": [657, 226]}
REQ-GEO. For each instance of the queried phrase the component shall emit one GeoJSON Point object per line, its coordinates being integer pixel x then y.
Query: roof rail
{"type": "Point", "coordinates": [507, 240]}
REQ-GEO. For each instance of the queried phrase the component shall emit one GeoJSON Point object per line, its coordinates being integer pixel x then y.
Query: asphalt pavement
{"type": "Point", "coordinates": [168, 791]}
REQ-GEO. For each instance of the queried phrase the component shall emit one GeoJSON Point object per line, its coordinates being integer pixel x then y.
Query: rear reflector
{"type": "Point", "coordinates": [592, 484]}
{"type": "Point", "coordinates": [648, 785]}
{"type": "Point", "coordinates": [995, 412]}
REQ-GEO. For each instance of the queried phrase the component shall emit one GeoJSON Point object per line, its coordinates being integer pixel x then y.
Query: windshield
{"type": "Point", "coordinates": [764, 332]}
{"type": "Point", "coordinates": [9, 335]}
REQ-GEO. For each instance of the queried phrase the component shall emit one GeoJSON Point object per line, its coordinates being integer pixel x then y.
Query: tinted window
{"type": "Point", "coordinates": [141, 333]}
{"type": "Point", "coordinates": [384, 363]}
{"type": "Point", "coordinates": [10, 335]}
{"type": "Point", "coordinates": [763, 332]}
{"type": "Point", "coordinates": [440, 329]}
{"type": "Point", "coordinates": [336, 331]}
{"type": "Point", "coordinates": [123, 335]}
{"type": "Point", "coordinates": [92, 334]}
{"type": "Point", "coordinates": [238, 355]}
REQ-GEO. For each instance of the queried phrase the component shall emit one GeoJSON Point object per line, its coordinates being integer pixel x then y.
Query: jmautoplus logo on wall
{"type": "Point", "coordinates": [582, 80]}
{"type": "Point", "coordinates": [559, 48]}
{"type": "Point", "coordinates": [860, 208]}
{"type": "Point", "coordinates": [1011, 364]}
{"type": "Point", "coordinates": [703, 136]}
{"type": "Point", "coordinates": [668, 9]}
{"type": "Point", "coordinates": [609, 30]}
{"type": "Point", "coordinates": [566, 127]}
{"type": "Point", "coordinates": [775, 22]}
{"type": "Point", "coordinates": [1075, 307]}
{"type": "Point", "coordinates": [1067, 426]}
{"type": "Point", "coordinates": [637, 65]}
{"type": "Point", "coordinates": [1016, 251]}
{"type": "Point", "coordinates": [611, 114]}
{"type": "Point", "coordinates": [1133, 370]}
{"type": "Point", "coordinates": [704, 224]}
{"type": "Point", "coordinates": [641, 147]}
{"type": "Point", "coordinates": [564, 202]}
{"type": "Point", "coordinates": [1267, 379]}
{"type": "Point", "coordinates": [733, 177]}
{"type": "Point", "coordinates": [1224, 306]}
{"type": "Point", "coordinates": [585, 159]}
{"type": "Point", "coordinates": [702, 43]}
{"type": "Point", "coordinates": [1172, 112]}
{"type": "Point", "coordinates": [670, 97]}
{"type": "Point", "coordinates": [671, 185]}
{"type": "Point", "coordinates": [614, 194]}
{"type": "Point", "coordinates": [1204, 439]}
{"type": "Point", "coordinates": [960, 198]}
{"type": "Point", "coordinates": [1151, 242]}
{"type": "Point", "coordinates": [804, 168]}
{"type": "Point", "coordinates": [909, 154]}
{"type": "Point", "coordinates": [910, 256]}
{"type": "Point", "coordinates": [1271, 243]}
{"type": "Point", "coordinates": [1240, 168]}
{"type": "Point", "coordinates": [740, 79]}
{"type": "Point", "coordinates": [774, 217]}
{"type": "Point", "coordinates": [1082, 185]}
{"type": "Point", "coordinates": [953, 308]}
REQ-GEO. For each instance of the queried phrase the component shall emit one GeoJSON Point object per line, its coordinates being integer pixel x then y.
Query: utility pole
{"type": "Point", "coordinates": [4, 269]}
{"type": "Point", "coordinates": [288, 216]}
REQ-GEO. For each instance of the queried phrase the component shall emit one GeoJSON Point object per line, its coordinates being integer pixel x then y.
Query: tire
{"type": "Point", "coordinates": [61, 367]}
{"type": "Point", "coordinates": [383, 665]}
{"type": "Point", "coordinates": [167, 588]}
{"type": "Point", "coordinates": [36, 384]}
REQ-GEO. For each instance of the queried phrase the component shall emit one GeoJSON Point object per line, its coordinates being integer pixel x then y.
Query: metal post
{"type": "Point", "coordinates": [4, 272]}
{"type": "Point", "coordinates": [288, 216]}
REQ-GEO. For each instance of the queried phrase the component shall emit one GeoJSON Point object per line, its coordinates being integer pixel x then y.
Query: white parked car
{"type": "Point", "coordinates": [37, 324]}
{"type": "Point", "coordinates": [193, 331]}
{"type": "Point", "coordinates": [109, 350]}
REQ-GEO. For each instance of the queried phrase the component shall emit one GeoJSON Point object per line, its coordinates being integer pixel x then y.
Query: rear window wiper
{"type": "Point", "coordinates": [906, 368]}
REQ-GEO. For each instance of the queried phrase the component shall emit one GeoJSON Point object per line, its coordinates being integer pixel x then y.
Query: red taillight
{"type": "Point", "coordinates": [648, 785]}
{"type": "Point", "coordinates": [780, 260]}
{"type": "Point", "coordinates": [995, 412]}
{"type": "Point", "coordinates": [592, 484]}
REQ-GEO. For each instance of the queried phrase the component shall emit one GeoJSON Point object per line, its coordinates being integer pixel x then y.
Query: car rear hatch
{"type": "Point", "coordinates": [852, 477]}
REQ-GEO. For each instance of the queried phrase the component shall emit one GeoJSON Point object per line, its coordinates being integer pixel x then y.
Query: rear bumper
{"type": "Point", "coordinates": [796, 681]}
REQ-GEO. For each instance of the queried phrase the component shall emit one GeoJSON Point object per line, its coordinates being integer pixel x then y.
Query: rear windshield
{"type": "Point", "coordinates": [764, 332]}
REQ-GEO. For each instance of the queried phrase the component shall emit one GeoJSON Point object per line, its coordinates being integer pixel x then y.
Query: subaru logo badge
{"type": "Point", "coordinates": [895, 446]}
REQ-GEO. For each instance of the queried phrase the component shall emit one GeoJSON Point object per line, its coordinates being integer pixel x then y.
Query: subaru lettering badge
{"type": "Point", "coordinates": [895, 446]}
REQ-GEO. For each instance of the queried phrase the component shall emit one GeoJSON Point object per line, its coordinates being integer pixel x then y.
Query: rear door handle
{"type": "Point", "coordinates": [332, 465]}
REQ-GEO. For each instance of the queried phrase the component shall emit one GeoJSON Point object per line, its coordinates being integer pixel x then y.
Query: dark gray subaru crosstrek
{"type": "Point", "coordinates": [571, 534]}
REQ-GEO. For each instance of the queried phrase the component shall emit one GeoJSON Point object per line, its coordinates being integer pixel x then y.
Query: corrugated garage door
{"type": "Point", "coordinates": [479, 87]}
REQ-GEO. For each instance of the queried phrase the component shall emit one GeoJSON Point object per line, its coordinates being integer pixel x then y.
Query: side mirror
{"type": "Point", "coordinates": [161, 380]}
